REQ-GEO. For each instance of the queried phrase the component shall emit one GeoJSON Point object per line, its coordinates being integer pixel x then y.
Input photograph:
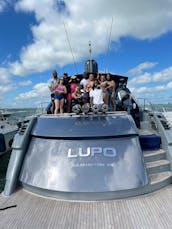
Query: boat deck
{"type": "Point", "coordinates": [153, 210]}
{"type": "Point", "coordinates": [168, 116]}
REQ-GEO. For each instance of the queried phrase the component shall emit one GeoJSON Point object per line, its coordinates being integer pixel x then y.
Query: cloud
{"type": "Point", "coordinates": [153, 89]}
{"type": "Point", "coordinates": [159, 93]}
{"type": "Point", "coordinates": [5, 88]}
{"type": "Point", "coordinates": [4, 4]}
{"type": "Point", "coordinates": [4, 76]}
{"type": "Point", "coordinates": [141, 67]}
{"type": "Point", "coordinates": [25, 83]}
{"type": "Point", "coordinates": [79, 21]}
{"type": "Point", "coordinates": [6, 84]}
{"type": "Point", "coordinates": [154, 86]}
{"type": "Point", "coordinates": [163, 76]}
{"type": "Point", "coordinates": [38, 91]}
{"type": "Point", "coordinates": [6, 60]}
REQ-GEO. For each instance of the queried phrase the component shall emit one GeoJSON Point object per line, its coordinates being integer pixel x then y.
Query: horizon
{"type": "Point", "coordinates": [130, 38]}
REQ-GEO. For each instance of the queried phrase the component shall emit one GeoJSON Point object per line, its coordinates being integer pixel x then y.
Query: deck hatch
{"type": "Point", "coordinates": [84, 126]}
{"type": "Point", "coordinates": [85, 165]}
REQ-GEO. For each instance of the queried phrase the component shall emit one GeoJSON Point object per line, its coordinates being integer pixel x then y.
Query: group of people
{"type": "Point", "coordinates": [67, 91]}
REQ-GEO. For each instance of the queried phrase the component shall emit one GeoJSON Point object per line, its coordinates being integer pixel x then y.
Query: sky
{"type": "Point", "coordinates": [128, 37]}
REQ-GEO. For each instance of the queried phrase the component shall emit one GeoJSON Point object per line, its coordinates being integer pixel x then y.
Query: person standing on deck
{"type": "Point", "coordinates": [90, 82]}
{"type": "Point", "coordinates": [66, 83]}
{"type": "Point", "coordinates": [84, 80]}
{"type": "Point", "coordinates": [51, 84]}
{"type": "Point", "coordinates": [111, 92]}
{"type": "Point", "coordinates": [104, 84]}
{"type": "Point", "coordinates": [60, 91]}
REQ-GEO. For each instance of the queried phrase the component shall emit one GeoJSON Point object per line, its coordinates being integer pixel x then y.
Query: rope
{"type": "Point", "coordinates": [109, 41]}
{"type": "Point", "coordinates": [5, 208]}
{"type": "Point", "coordinates": [67, 36]}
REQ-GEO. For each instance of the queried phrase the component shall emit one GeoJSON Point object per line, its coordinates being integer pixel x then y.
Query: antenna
{"type": "Point", "coordinates": [74, 62]}
{"type": "Point", "coordinates": [89, 43]}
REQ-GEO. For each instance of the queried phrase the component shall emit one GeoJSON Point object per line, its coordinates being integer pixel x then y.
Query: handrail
{"type": "Point", "coordinates": [154, 107]}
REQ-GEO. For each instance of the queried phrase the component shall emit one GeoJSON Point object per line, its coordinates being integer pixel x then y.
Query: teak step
{"type": "Point", "coordinates": [158, 166]}
{"type": "Point", "coordinates": [150, 156]}
{"type": "Point", "coordinates": [160, 177]}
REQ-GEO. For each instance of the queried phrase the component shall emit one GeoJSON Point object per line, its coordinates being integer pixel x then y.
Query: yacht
{"type": "Point", "coordinates": [98, 169]}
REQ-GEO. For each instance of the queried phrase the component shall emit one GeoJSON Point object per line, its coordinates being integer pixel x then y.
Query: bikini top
{"type": "Point", "coordinates": [59, 88]}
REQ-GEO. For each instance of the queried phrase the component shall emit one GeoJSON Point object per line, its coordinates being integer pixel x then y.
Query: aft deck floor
{"type": "Point", "coordinates": [148, 211]}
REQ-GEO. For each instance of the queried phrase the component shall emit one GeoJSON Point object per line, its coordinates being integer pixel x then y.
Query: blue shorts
{"type": "Point", "coordinates": [59, 97]}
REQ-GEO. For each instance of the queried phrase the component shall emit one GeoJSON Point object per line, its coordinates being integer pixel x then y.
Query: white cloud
{"type": "Point", "coordinates": [25, 83]}
{"type": "Point", "coordinates": [4, 4]}
{"type": "Point", "coordinates": [6, 84]}
{"type": "Point", "coordinates": [6, 88]}
{"type": "Point", "coordinates": [4, 76]}
{"type": "Point", "coordinates": [39, 91]}
{"type": "Point", "coordinates": [155, 86]}
{"type": "Point", "coordinates": [86, 20]}
{"type": "Point", "coordinates": [163, 76]}
{"type": "Point", "coordinates": [159, 92]}
{"type": "Point", "coordinates": [141, 67]}
{"type": "Point", "coordinates": [152, 89]}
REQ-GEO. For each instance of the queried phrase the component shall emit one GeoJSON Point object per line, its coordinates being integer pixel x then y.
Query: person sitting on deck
{"type": "Point", "coordinates": [85, 95]}
{"type": "Point", "coordinates": [96, 95]}
{"type": "Point", "coordinates": [77, 96]}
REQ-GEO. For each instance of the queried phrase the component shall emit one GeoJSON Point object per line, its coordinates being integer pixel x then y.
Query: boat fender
{"type": "Point", "coordinates": [76, 109]}
{"type": "Point", "coordinates": [104, 108]}
{"type": "Point", "coordinates": [95, 108]}
{"type": "Point", "coordinates": [85, 108]}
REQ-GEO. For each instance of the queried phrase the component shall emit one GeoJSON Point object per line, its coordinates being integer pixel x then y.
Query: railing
{"type": "Point", "coordinates": [41, 109]}
{"type": "Point", "coordinates": [146, 104]}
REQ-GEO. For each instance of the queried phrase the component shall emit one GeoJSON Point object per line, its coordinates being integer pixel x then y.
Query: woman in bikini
{"type": "Point", "coordinates": [111, 91]}
{"type": "Point", "coordinates": [60, 91]}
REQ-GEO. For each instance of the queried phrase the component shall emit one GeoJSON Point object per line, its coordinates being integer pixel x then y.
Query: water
{"type": "Point", "coordinates": [18, 115]}
{"type": "Point", "coordinates": [145, 104]}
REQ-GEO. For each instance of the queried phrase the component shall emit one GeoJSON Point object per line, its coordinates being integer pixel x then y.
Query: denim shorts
{"type": "Point", "coordinates": [59, 97]}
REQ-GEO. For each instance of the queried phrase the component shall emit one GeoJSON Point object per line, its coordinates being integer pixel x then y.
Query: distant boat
{"type": "Point", "coordinates": [5, 113]}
